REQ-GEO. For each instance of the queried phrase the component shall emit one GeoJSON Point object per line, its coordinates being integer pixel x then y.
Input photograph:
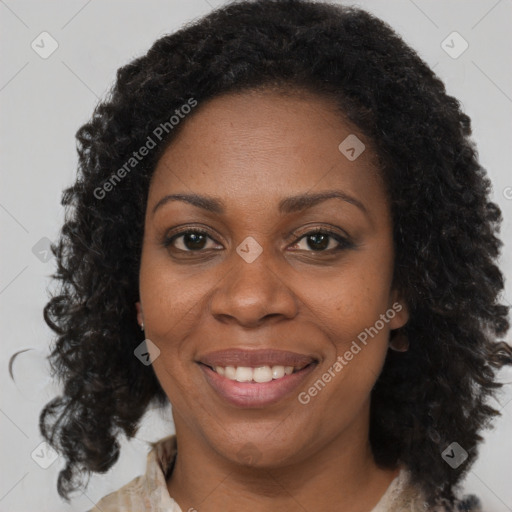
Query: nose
{"type": "Point", "coordinates": [251, 293]}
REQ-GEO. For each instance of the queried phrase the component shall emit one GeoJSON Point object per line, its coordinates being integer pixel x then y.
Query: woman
{"type": "Point", "coordinates": [280, 226]}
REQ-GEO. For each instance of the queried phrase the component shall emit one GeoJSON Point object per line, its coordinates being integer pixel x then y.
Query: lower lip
{"type": "Point", "coordinates": [255, 394]}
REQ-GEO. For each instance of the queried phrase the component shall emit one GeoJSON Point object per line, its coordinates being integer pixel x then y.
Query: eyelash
{"type": "Point", "coordinates": [344, 243]}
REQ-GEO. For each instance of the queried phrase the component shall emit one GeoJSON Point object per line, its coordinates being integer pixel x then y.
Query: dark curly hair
{"type": "Point", "coordinates": [445, 232]}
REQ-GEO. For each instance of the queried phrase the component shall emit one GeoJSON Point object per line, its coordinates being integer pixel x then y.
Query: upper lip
{"type": "Point", "coordinates": [255, 358]}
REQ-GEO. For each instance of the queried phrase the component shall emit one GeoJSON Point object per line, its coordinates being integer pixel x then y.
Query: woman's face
{"type": "Point", "coordinates": [256, 281]}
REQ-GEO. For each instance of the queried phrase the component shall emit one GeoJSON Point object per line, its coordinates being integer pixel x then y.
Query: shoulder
{"type": "Point", "coordinates": [132, 496]}
{"type": "Point", "coordinates": [148, 491]}
{"type": "Point", "coordinates": [404, 496]}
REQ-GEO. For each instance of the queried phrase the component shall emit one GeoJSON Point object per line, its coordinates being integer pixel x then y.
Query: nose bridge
{"type": "Point", "coordinates": [252, 288]}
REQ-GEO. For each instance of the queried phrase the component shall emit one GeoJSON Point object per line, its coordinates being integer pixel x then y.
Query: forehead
{"type": "Point", "coordinates": [260, 144]}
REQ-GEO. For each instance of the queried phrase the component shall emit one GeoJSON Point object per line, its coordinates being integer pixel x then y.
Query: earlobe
{"type": "Point", "coordinates": [399, 306]}
{"type": "Point", "coordinates": [398, 340]}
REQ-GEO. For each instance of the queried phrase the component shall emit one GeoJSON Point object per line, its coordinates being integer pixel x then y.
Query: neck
{"type": "Point", "coordinates": [340, 471]}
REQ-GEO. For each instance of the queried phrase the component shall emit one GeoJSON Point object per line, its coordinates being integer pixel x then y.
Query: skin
{"type": "Point", "coordinates": [252, 150]}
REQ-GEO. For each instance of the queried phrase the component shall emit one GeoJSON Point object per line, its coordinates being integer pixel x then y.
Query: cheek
{"type": "Point", "coordinates": [352, 299]}
{"type": "Point", "coordinates": [174, 306]}
{"type": "Point", "coordinates": [171, 300]}
{"type": "Point", "coordinates": [354, 311]}
{"type": "Point", "coordinates": [343, 387]}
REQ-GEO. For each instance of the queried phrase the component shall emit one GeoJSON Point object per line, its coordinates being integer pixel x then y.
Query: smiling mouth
{"type": "Point", "coordinates": [256, 375]}
{"type": "Point", "coordinates": [255, 387]}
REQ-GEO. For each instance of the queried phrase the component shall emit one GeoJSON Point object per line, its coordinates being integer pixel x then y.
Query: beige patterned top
{"type": "Point", "coordinates": [149, 492]}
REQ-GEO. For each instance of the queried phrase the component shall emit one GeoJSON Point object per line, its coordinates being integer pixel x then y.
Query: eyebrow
{"type": "Point", "coordinates": [288, 205]}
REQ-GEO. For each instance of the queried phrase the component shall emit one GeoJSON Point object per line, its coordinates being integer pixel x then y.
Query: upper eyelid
{"type": "Point", "coordinates": [308, 230]}
{"type": "Point", "coordinates": [311, 227]}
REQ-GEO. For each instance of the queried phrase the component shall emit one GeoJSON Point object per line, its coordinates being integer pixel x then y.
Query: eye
{"type": "Point", "coordinates": [322, 241]}
{"type": "Point", "coordinates": [192, 240]}
{"type": "Point", "coordinates": [318, 240]}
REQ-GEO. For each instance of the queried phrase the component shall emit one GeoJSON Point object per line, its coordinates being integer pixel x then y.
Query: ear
{"type": "Point", "coordinates": [140, 316]}
{"type": "Point", "coordinates": [399, 306]}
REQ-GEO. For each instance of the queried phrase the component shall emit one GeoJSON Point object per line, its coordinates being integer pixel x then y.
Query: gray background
{"type": "Point", "coordinates": [44, 101]}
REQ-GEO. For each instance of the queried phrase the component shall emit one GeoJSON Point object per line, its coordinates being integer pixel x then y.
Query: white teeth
{"type": "Point", "coordinates": [262, 374]}
{"type": "Point", "coordinates": [259, 374]}
{"type": "Point", "coordinates": [243, 374]}
{"type": "Point", "coordinates": [230, 372]}
{"type": "Point", "coordinates": [277, 372]}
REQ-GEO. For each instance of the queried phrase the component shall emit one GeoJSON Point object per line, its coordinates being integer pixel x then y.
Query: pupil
{"type": "Point", "coordinates": [320, 239]}
{"type": "Point", "coordinates": [194, 240]}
